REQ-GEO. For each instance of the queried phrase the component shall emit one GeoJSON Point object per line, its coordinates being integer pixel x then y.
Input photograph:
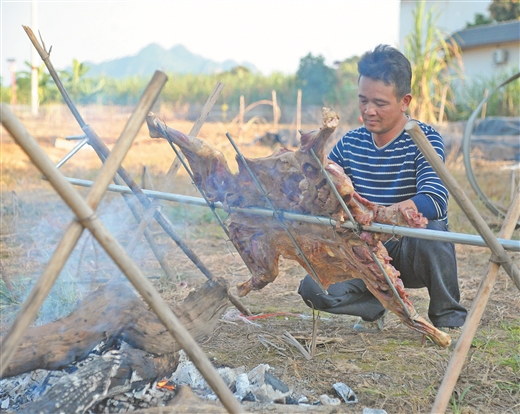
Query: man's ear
{"type": "Point", "coordinates": [406, 102]}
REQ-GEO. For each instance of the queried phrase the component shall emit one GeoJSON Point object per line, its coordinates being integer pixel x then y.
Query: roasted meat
{"type": "Point", "coordinates": [295, 181]}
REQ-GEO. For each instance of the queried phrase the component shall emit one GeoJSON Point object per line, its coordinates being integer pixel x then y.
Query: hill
{"type": "Point", "coordinates": [154, 57]}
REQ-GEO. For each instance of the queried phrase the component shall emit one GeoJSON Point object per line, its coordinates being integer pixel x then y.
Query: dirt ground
{"type": "Point", "coordinates": [395, 370]}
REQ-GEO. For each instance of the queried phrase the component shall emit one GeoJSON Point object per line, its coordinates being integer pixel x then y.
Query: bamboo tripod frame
{"type": "Point", "coordinates": [86, 218]}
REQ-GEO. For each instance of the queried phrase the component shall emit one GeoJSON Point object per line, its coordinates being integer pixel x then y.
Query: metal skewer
{"type": "Point", "coordinates": [278, 216]}
{"type": "Point", "coordinates": [351, 218]}
{"type": "Point", "coordinates": [442, 236]}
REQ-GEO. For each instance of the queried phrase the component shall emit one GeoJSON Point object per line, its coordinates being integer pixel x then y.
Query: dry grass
{"type": "Point", "coordinates": [393, 370]}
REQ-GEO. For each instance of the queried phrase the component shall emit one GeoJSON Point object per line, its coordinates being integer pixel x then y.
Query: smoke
{"type": "Point", "coordinates": [88, 265]}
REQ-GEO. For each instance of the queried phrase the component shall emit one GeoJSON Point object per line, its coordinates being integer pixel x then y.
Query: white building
{"type": "Point", "coordinates": [491, 49]}
{"type": "Point", "coordinates": [453, 15]}
{"type": "Point", "coordinates": [486, 50]}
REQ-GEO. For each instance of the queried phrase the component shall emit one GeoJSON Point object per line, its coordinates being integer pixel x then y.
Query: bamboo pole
{"type": "Point", "coordinates": [132, 205]}
{"type": "Point", "coordinates": [475, 315]}
{"type": "Point", "coordinates": [88, 219]}
{"type": "Point", "coordinates": [44, 284]}
{"type": "Point", "coordinates": [462, 200]}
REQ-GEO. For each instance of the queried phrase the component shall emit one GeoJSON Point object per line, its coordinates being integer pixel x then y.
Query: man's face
{"type": "Point", "coordinates": [379, 106]}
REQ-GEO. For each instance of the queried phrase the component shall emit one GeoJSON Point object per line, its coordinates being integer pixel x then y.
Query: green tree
{"type": "Point", "coordinates": [435, 63]}
{"type": "Point", "coordinates": [5, 92]}
{"type": "Point", "coordinates": [503, 10]}
{"type": "Point", "coordinates": [316, 79]}
{"type": "Point", "coordinates": [480, 20]}
{"type": "Point", "coordinates": [499, 10]}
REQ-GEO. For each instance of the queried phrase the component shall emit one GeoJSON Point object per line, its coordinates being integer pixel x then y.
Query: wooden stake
{"type": "Point", "coordinates": [44, 284]}
{"type": "Point", "coordinates": [475, 315]}
{"type": "Point", "coordinates": [484, 106]}
{"type": "Point", "coordinates": [298, 115]}
{"type": "Point", "coordinates": [88, 219]}
{"type": "Point", "coordinates": [462, 200]}
{"type": "Point", "coordinates": [443, 102]}
{"type": "Point", "coordinates": [241, 114]}
{"type": "Point", "coordinates": [276, 112]}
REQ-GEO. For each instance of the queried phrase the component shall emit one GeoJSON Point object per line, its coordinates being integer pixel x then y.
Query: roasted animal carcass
{"type": "Point", "coordinates": [295, 181]}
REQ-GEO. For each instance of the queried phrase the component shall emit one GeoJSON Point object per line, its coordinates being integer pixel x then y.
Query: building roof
{"type": "Point", "coordinates": [489, 34]}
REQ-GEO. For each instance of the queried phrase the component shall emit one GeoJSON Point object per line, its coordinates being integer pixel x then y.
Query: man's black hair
{"type": "Point", "coordinates": [389, 65]}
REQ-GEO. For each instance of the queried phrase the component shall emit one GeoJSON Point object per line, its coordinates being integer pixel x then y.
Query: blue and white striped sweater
{"type": "Point", "coordinates": [394, 173]}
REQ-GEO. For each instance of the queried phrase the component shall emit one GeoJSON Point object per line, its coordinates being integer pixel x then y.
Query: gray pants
{"type": "Point", "coordinates": [422, 263]}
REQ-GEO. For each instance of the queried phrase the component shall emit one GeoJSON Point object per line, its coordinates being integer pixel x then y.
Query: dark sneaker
{"type": "Point", "coordinates": [370, 327]}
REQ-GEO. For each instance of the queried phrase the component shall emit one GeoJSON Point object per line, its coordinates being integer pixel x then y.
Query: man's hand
{"type": "Point", "coordinates": [405, 205]}
{"type": "Point", "coordinates": [408, 211]}
{"type": "Point", "coordinates": [404, 213]}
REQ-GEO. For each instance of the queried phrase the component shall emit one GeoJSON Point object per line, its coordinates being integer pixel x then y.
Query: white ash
{"type": "Point", "coordinates": [24, 388]}
{"type": "Point", "coordinates": [256, 385]}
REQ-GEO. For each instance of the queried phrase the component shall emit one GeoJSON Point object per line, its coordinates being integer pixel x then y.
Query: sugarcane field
{"type": "Point", "coordinates": [189, 253]}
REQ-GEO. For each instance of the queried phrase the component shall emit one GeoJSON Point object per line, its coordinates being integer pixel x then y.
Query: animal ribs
{"type": "Point", "coordinates": [294, 181]}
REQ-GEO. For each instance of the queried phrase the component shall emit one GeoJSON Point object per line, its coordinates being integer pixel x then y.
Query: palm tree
{"type": "Point", "coordinates": [79, 87]}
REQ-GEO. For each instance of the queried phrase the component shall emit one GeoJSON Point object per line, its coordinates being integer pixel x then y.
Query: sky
{"type": "Point", "coordinates": [272, 34]}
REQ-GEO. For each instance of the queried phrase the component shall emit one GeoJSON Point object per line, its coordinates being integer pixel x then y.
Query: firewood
{"type": "Point", "coordinates": [110, 374]}
{"type": "Point", "coordinates": [114, 312]}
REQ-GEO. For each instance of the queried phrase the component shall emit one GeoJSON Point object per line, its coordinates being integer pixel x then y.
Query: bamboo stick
{"type": "Point", "coordinates": [131, 203]}
{"type": "Point", "coordinates": [88, 219]}
{"type": "Point", "coordinates": [44, 284]}
{"type": "Point", "coordinates": [475, 315]}
{"type": "Point", "coordinates": [462, 200]}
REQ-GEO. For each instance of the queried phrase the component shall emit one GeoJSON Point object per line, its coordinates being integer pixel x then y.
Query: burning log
{"type": "Point", "coordinates": [112, 313]}
{"type": "Point", "coordinates": [295, 181]}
